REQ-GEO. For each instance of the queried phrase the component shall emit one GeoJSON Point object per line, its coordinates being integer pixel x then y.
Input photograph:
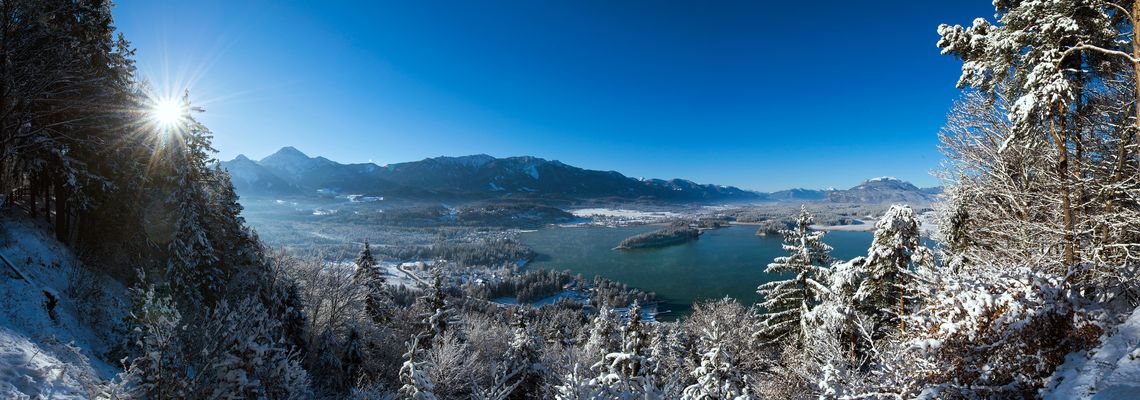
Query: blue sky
{"type": "Point", "coordinates": [764, 95]}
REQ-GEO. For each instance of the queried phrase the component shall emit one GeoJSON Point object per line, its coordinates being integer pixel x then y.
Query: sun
{"type": "Point", "coordinates": [167, 113]}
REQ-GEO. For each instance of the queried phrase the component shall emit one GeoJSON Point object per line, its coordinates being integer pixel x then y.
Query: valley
{"type": "Point", "coordinates": [493, 236]}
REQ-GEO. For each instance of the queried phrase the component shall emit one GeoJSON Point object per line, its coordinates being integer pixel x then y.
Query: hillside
{"type": "Point", "coordinates": [883, 190]}
{"type": "Point", "coordinates": [61, 353]}
{"type": "Point", "coordinates": [479, 177]}
{"type": "Point", "coordinates": [289, 171]}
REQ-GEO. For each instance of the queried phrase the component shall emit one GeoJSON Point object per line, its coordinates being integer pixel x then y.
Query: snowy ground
{"type": "Point", "coordinates": [621, 216]}
{"type": "Point", "coordinates": [44, 356]}
{"type": "Point", "coordinates": [397, 276]}
{"type": "Point", "coordinates": [1110, 371]}
{"type": "Point", "coordinates": [623, 213]}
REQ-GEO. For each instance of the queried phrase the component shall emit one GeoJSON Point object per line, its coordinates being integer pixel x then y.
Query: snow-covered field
{"type": "Point", "coordinates": [621, 216]}
{"type": "Point", "coordinates": [620, 212]}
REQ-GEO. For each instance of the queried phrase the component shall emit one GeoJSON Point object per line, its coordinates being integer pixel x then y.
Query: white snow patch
{"type": "Point", "coordinates": [532, 171]}
{"type": "Point", "coordinates": [53, 355]}
{"type": "Point", "coordinates": [359, 198]}
{"type": "Point", "coordinates": [1110, 371]}
{"type": "Point", "coordinates": [622, 213]}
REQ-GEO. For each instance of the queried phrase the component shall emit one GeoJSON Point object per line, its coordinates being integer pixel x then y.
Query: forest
{"type": "Point", "coordinates": [1036, 263]}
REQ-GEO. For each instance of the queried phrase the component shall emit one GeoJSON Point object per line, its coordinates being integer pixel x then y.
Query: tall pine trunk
{"type": "Point", "coordinates": [61, 212]}
{"type": "Point", "coordinates": [1136, 81]}
{"type": "Point", "coordinates": [1060, 141]}
{"type": "Point", "coordinates": [33, 190]}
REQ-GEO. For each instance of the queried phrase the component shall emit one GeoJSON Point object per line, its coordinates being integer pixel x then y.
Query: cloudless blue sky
{"type": "Point", "coordinates": [764, 95]}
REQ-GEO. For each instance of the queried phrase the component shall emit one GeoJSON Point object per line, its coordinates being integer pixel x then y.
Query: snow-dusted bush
{"type": "Point", "coordinates": [236, 350]}
{"type": "Point", "coordinates": [998, 333]}
{"type": "Point", "coordinates": [453, 367]}
{"type": "Point", "coordinates": [160, 369]}
{"type": "Point", "coordinates": [243, 355]}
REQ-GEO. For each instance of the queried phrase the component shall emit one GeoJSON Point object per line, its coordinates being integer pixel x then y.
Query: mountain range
{"type": "Point", "coordinates": [289, 172]}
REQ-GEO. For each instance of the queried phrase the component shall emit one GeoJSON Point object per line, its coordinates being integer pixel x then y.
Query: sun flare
{"type": "Point", "coordinates": [167, 113]}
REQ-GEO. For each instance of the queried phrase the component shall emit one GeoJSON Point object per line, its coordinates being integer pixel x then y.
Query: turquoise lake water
{"type": "Point", "coordinates": [723, 262]}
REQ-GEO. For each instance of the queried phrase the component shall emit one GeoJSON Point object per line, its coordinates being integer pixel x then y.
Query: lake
{"type": "Point", "coordinates": [723, 262]}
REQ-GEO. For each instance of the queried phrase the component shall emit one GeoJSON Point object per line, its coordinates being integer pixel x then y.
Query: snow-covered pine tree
{"type": "Point", "coordinates": [415, 384]}
{"type": "Point", "coordinates": [236, 246]}
{"type": "Point", "coordinates": [235, 351]}
{"type": "Point", "coordinates": [786, 301]}
{"type": "Point", "coordinates": [523, 355]}
{"type": "Point", "coordinates": [438, 317]}
{"type": "Point", "coordinates": [352, 357]}
{"type": "Point", "coordinates": [625, 374]}
{"type": "Point", "coordinates": [602, 336]}
{"type": "Point", "coordinates": [577, 384]}
{"type": "Point", "coordinates": [893, 266]}
{"type": "Point", "coordinates": [667, 348]}
{"type": "Point", "coordinates": [716, 376]}
{"type": "Point", "coordinates": [191, 265]}
{"type": "Point", "coordinates": [369, 275]}
{"type": "Point", "coordinates": [838, 344]}
{"type": "Point", "coordinates": [65, 87]}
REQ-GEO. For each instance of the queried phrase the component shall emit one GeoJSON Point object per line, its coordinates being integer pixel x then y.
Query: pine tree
{"type": "Point", "coordinates": [243, 356]}
{"type": "Point", "coordinates": [63, 92]}
{"type": "Point", "coordinates": [235, 244]}
{"type": "Point", "coordinates": [893, 264]}
{"type": "Point", "coordinates": [716, 376]}
{"type": "Point", "coordinates": [438, 317]}
{"type": "Point", "coordinates": [191, 266]}
{"type": "Point", "coordinates": [667, 348]}
{"type": "Point", "coordinates": [367, 274]}
{"type": "Point", "coordinates": [626, 373]}
{"type": "Point", "coordinates": [786, 301]}
{"type": "Point", "coordinates": [602, 333]}
{"type": "Point", "coordinates": [352, 357]}
{"type": "Point", "coordinates": [415, 384]}
{"type": "Point", "coordinates": [523, 355]}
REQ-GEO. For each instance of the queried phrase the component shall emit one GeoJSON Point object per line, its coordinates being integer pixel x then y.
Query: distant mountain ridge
{"type": "Point", "coordinates": [884, 189]}
{"type": "Point", "coordinates": [291, 172]}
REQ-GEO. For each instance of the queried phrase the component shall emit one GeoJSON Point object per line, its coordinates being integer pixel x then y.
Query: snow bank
{"type": "Point", "coordinates": [1110, 371]}
{"type": "Point", "coordinates": [52, 355]}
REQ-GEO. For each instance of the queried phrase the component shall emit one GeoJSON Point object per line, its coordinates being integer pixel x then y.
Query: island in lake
{"type": "Point", "coordinates": [659, 238]}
